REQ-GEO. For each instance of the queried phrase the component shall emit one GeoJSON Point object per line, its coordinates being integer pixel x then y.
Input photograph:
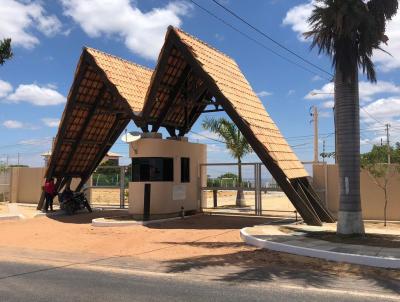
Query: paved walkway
{"type": "Point", "coordinates": [271, 237]}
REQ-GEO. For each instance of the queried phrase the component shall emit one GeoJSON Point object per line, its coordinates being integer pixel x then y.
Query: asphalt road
{"type": "Point", "coordinates": [30, 282]}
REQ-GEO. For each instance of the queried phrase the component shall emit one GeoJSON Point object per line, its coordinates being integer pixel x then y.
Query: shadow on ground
{"type": "Point", "coordinates": [216, 222]}
{"type": "Point", "coordinates": [84, 217]}
{"type": "Point", "coordinates": [263, 265]}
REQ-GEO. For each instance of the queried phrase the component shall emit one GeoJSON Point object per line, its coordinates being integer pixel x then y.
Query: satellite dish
{"type": "Point", "coordinates": [131, 137]}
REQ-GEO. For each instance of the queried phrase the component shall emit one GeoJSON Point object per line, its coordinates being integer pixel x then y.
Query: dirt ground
{"type": "Point", "coordinates": [211, 241]}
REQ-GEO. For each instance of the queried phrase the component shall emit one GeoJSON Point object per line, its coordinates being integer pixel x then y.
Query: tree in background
{"type": "Point", "coordinates": [235, 142]}
{"type": "Point", "coordinates": [380, 172]}
{"type": "Point", "coordinates": [5, 51]}
{"type": "Point", "coordinates": [379, 154]}
{"type": "Point", "coordinates": [349, 31]}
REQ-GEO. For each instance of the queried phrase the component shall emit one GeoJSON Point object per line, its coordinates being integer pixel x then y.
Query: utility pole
{"type": "Point", "coordinates": [323, 152]}
{"type": "Point", "coordinates": [388, 143]}
{"type": "Point", "coordinates": [18, 159]}
{"type": "Point", "coordinates": [314, 114]}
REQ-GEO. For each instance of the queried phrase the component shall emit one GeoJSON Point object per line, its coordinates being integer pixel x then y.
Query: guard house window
{"type": "Point", "coordinates": [185, 169]}
{"type": "Point", "coordinates": [152, 169]}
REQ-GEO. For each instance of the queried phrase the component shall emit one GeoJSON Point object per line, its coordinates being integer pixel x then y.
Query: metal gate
{"type": "Point", "coordinates": [108, 186]}
{"type": "Point", "coordinates": [222, 184]}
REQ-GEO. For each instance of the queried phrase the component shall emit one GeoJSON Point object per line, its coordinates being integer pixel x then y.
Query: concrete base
{"type": "Point", "coordinates": [350, 223]}
{"type": "Point", "coordinates": [101, 222]}
{"type": "Point", "coordinates": [303, 246]}
{"type": "Point", "coordinates": [11, 217]}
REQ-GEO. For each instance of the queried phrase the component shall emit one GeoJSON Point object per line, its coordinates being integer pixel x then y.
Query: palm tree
{"type": "Point", "coordinates": [5, 50]}
{"type": "Point", "coordinates": [235, 142]}
{"type": "Point", "coordinates": [349, 31]}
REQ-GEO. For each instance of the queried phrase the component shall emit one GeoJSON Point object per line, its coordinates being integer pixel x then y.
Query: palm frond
{"type": "Point", "coordinates": [349, 31]}
{"type": "Point", "coordinates": [235, 142]}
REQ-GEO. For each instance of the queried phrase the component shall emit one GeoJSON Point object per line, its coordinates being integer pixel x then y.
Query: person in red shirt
{"type": "Point", "coordinates": [49, 192]}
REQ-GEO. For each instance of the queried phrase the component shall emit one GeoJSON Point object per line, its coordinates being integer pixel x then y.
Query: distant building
{"type": "Point", "coordinates": [110, 156]}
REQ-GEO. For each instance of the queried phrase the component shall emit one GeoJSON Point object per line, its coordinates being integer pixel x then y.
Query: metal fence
{"type": "Point", "coordinates": [109, 185]}
{"type": "Point", "coordinates": [222, 184]}
{"type": "Point", "coordinates": [5, 175]}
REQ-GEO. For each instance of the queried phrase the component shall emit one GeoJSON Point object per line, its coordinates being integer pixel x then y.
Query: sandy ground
{"type": "Point", "coordinates": [272, 201]}
{"type": "Point", "coordinates": [206, 240]}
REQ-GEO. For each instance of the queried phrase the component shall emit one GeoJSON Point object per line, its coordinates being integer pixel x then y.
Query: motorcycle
{"type": "Point", "coordinates": [77, 202]}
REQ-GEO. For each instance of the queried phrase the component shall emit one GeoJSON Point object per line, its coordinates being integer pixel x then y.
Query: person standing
{"type": "Point", "coordinates": [49, 192]}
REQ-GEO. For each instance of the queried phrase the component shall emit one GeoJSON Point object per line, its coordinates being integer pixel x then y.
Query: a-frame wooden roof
{"type": "Point", "coordinates": [217, 75]}
{"type": "Point", "coordinates": [107, 92]}
{"type": "Point", "coordinates": [190, 77]}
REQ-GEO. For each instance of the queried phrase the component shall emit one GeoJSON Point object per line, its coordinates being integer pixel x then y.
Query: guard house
{"type": "Point", "coordinates": [165, 176]}
{"type": "Point", "coordinates": [191, 78]}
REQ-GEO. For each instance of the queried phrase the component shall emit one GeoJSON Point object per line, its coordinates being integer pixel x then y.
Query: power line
{"type": "Point", "coordinates": [270, 38]}
{"type": "Point", "coordinates": [365, 110]}
{"type": "Point", "coordinates": [256, 41]}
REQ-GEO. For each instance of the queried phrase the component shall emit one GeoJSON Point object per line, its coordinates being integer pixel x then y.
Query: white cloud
{"type": "Point", "coordinates": [325, 114]}
{"type": "Point", "coordinates": [51, 122]}
{"type": "Point", "coordinates": [291, 92]}
{"type": "Point", "coordinates": [367, 91]}
{"type": "Point", "coordinates": [326, 92]}
{"type": "Point", "coordinates": [297, 19]}
{"type": "Point", "coordinates": [385, 61]}
{"type": "Point", "coordinates": [19, 20]}
{"type": "Point", "coordinates": [5, 88]}
{"type": "Point", "coordinates": [316, 78]}
{"type": "Point", "coordinates": [142, 32]}
{"type": "Point", "coordinates": [45, 141]}
{"type": "Point", "coordinates": [386, 110]}
{"type": "Point", "coordinates": [328, 104]}
{"type": "Point", "coordinates": [12, 124]}
{"type": "Point", "coordinates": [219, 37]}
{"type": "Point", "coordinates": [215, 148]}
{"type": "Point", "coordinates": [263, 93]}
{"type": "Point", "coordinates": [36, 95]}
{"type": "Point", "coordinates": [204, 136]}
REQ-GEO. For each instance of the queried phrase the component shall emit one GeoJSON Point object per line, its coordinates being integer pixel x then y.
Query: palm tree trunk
{"type": "Point", "coordinates": [240, 195]}
{"type": "Point", "coordinates": [347, 117]}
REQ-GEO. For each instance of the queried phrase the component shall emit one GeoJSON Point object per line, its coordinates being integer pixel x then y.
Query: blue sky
{"type": "Point", "coordinates": [48, 37]}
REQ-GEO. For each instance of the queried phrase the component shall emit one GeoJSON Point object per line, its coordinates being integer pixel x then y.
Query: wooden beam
{"type": "Point", "coordinates": [66, 116]}
{"type": "Point", "coordinates": [116, 129]}
{"type": "Point", "coordinates": [84, 126]}
{"type": "Point", "coordinates": [212, 110]}
{"type": "Point", "coordinates": [82, 142]}
{"type": "Point", "coordinates": [100, 109]}
{"type": "Point", "coordinates": [158, 73]}
{"type": "Point", "coordinates": [171, 131]}
{"type": "Point", "coordinates": [245, 129]}
{"type": "Point", "coordinates": [316, 202]}
{"type": "Point", "coordinates": [172, 96]}
{"type": "Point", "coordinates": [194, 115]}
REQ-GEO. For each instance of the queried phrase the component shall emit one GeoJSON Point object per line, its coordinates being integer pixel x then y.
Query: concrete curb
{"type": "Point", "coordinates": [49, 214]}
{"type": "Point", "coordinates": [11, 217]}
{"type": "Point", "coordinates": [373, 261]}
{"type": "Point", "coordinates": [100, 222]}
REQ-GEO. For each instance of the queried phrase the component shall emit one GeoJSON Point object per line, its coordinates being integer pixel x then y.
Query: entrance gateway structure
{"type": "Point", "coordinates": [190, 78]}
